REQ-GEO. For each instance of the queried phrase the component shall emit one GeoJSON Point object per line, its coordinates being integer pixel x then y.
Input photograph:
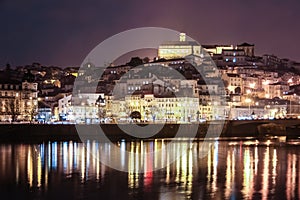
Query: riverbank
{"type": "Point", "coordinates": [227, 129]}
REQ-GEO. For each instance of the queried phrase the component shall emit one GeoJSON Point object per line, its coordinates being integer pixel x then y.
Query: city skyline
{"type": "Point", "coordinates": [62, 34]}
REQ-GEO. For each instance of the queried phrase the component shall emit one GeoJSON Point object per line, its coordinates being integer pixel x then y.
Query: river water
{"type": "Point", "coordinates": [230, 170]}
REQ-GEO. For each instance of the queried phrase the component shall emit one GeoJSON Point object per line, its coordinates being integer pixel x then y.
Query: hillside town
{"type": "Point", "coordinates": [237, 85]}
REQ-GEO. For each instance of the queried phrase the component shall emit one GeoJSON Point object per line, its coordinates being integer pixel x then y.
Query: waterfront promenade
{"type": "Point", "coordinates": [225, 130]}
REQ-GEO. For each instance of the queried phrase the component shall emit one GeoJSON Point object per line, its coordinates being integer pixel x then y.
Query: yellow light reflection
{"type": "Point", "coordinates": [291, 176]}
{"type": "Point", "coordinates": [209, 166]}
{"type": "Point", "coordinates": [97, 164]}
{"type": "Point", "coordinates": [274, 166]}
{"type": "Point", "coordinates": [168, 171]}
{"type": "Point", "coordinates": [215, 171]}
{"type": "Point", "coordinates": [131, 167]}
{"type": "Point", "coordinates": [190, 173]}
{"type": "Point", "coordinates": [17, 171]}
{"type": "Point", "coordinates": [82, 164]}
{"type": "Point", "coordinates": [265, 178]}
{"type": "Point", "coordinates": [256, 160]}
{"type": "Point", "coordinates": [29, 168]}
{"type": "Point", "coordinates": [39, 171]}
{"type": "Point", "coordinates": [70, 156]}
{"type": "Point", "coordinates": [248, 178]}
{"type": "Point", "coordinates": [230, 173]}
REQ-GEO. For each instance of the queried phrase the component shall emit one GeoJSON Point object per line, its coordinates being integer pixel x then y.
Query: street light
{"type": "Point", "coordinates": [84, 108]}
{"type": "Point", "coordinates": [197, 113]}
{"type": "Point", "coordinates": [291, 103]}
{"type": "Point", "coordinates": [249, 103]}
{"type": "Point", "coordinates": [252, 85]}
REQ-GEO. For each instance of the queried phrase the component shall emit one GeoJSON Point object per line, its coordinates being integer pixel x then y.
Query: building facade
{"type": "Point", "coordinates": [18, 101]}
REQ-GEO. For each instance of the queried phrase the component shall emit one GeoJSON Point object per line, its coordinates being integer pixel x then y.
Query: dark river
{"type": "Point", "coordinates": [70, 170]}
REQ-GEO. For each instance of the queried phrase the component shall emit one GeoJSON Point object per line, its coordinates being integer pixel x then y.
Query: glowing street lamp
{"type": "Point", "coordinates": [291, 103]}
{"type": "Point", "coordinates": [249, 103]}
{"type": "Point", "coordinates": [252, 85]}
{"type": "Point", "coordinates": [84, 107]}
{"type": "Point", "coordinates": [266, 82]}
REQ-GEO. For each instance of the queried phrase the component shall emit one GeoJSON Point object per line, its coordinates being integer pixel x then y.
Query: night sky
{"type": "Point", "coordinates": [62, 33]}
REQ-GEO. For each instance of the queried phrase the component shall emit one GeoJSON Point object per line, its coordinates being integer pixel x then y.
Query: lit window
{"type": "Point", "coordinates": [234, 60]}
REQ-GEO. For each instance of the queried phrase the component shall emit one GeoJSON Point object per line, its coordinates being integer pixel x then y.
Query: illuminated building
{"type": "Point", "coordinates": [84, 108]}
{"type": "Point", "coordinates": [64, 106]}
{"type": "Point", "coordinates": [252, 84]}
{"type": "Point", "coordinates": [18, 100]}
{"type": "Point", "coordinates": [235, 56]}
{"type": "Point", "coordinates": [217, 49]}
{"type": "Point", "coordinates": [247, 48]}
{"type": "Point", "coordinates": [179, 49]}
{"type": "Point", "coordinates": [275, 90]}
{"type": "Point", "coordinates": [157, 109]}
{"type": "Point", "coordinates": [233, 82]}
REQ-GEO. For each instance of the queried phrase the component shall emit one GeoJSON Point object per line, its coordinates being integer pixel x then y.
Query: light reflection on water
{"type": "Point", "coordinates": [231, 170]}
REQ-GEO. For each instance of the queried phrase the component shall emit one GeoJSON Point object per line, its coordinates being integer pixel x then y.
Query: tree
{"type": "Point", "coordinates": [154, 110]}
{"type": "Point", "coordinates": [146, 60]}
{"type": "Point", "coordinates": [135, 61]}
{"type": "Point", "coordinates": [135, 115]}
{"type": "Point", "coordinates": [8, 67]}
{"type": "Point", "coordinates": [32, 112]}
{"type": "Point", "coordinates": [101, 112]}
{"type": "Point", "coordinates": [12, 108]}
{"type": "Point", "coordinates": [100, 103]}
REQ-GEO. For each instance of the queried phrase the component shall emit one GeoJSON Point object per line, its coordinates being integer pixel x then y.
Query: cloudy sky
{"type": "Point", "coordinates": [62, 33]}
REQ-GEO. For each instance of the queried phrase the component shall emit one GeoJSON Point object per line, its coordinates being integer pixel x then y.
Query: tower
{"type": "Point", "coordinates": [182, 37]}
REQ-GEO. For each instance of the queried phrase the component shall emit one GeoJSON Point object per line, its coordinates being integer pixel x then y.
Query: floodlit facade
{"type": "Point", "coordinates": [217, 49]}
{"type": "Point", "coordinates": [275, 90]}
{"type": "Point", "coordinates": [179, 49]}
{"type": "Point", "coordinates": [83, 108]}
{"type": "Point", "coordinates": [18, 101]}
{"type": "Point", "coordinates": [233, 81]}
{"type": "Point", "coordinates": [158, 109]}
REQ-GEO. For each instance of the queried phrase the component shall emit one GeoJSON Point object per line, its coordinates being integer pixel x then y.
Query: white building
{"type": "Point", "coordinates": [216, 49]}
{"type": "Point", "coordinates": [64, 105]}
{"type": "Point", "coordinates": [83, 108]}
{"type": "Point", "coordinates": [179, 49]}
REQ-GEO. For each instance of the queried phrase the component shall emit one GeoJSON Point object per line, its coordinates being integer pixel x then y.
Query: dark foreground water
{"type": "Point", "coordinates": [231, 170]}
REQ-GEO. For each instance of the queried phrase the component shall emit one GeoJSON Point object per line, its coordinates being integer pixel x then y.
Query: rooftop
{"type": "Point", "coordinates": [180, 43]}
{"type": "Point", "coordinates": [245, 44]}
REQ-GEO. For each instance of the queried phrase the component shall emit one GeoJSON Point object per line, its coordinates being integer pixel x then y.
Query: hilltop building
{"type": "Point", "coordinates": [179, 49]}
